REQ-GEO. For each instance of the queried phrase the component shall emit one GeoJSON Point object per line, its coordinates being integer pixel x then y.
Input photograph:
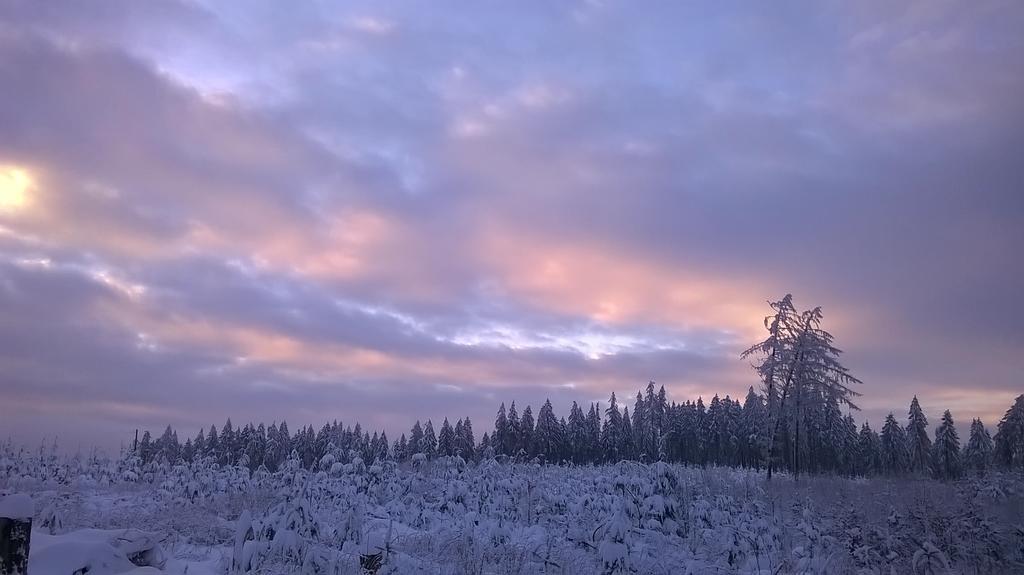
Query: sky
{"type": "Point", "coordinates": [389, 211]}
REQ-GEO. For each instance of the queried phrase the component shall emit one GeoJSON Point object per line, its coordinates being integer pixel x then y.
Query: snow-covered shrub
{"type": "Point", "coordinates": [613, 548]}
{"type": "Point", "coordinates": [928, 560]}
{"type": "Point", "coordinates": [51, 520]}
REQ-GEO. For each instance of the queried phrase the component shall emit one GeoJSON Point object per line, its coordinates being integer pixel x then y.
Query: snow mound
{"type": "Point", "coordinates": [96, 552]}
{"type": "Point", "coordinates": [17, 506]}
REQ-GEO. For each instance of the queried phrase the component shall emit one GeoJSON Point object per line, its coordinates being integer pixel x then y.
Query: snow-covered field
{"type": "Point", "coordinates": [447, 516]}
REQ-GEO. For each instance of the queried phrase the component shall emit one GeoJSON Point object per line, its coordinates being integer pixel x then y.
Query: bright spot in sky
{"type": "Point", "coordinates": [14, 186]}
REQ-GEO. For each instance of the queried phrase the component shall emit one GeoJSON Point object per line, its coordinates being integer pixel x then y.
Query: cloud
{"type": "Point", "coordinates": [407, 212]}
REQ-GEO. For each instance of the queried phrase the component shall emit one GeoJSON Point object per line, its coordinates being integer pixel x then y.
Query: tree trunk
{"type": "Point", "coordinates": [15, 536]}
{"type": "Point", "coordinates": [796, 441]}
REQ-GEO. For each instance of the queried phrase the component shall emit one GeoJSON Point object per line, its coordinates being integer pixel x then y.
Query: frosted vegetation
{"type": "Point", "coordinates": [448, 515]}
{"type": "Point", "coordinates": [782, 482]}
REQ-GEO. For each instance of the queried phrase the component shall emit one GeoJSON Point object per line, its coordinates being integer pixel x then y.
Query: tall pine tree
{"type": "Point", "coordinates": [978, 453]}
{"type": "Point", "coordinates": [919, 446]}
{"type": "Point", "coordinates": [894, 447]}
{"type": "Point", "coordinates": [946, 451]}
{"type": "Point", "coordinates": [1009, 439]}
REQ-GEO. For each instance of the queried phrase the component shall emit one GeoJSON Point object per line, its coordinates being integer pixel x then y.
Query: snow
{"type": "Point", "coordinates": [93, 551]}
{"type": "Point", "coordinates": [450, 515]}
{"type": "Point", "coordinates": [16, 506]}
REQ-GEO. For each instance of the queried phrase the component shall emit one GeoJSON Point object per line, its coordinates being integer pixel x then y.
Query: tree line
{"type": "Point", "coordinates": [725, 432]}
{"type": "Point", "coordinates": [796, 422]}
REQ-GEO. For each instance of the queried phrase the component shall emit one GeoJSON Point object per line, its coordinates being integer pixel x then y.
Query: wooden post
{"type": "Point", "coordinates": [15, 534]}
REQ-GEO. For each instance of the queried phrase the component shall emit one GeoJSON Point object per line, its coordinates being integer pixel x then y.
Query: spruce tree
{"type": "Point", "coordinates": [700, 441]}
{"type": "Point", "coordinates": [626, 447]}
{"type": "Point", "coordinates": [894, 447]}
{"type": "Point", "coordinates": [213, 443]}
{"type": "Point", "coordinates": [458, 436]}
{"type": "Point", "coordinates": [145, 448]}
{"type": "Point", "coordinates": [526, 427]}
{"type": "Point", "coordinates": [978, 453]}
{"type": "Point", "coordinates": [661, 410]}
{"type": "Point", "coordinates": [640, 428]}
{"type": "Point", "coordinates": [1009, 439]}
{"type": "Point", "coordinates": [272, 453]}
{"type": "Point", "coordinates": [384, 452]}
{"type": "Point", "coordinates": [167, 446]}
{"type": "Point", "coordinates": [712, 431]}
{"type": "Point", "coordinates": [548, 434]}
{"type": "Point", "coordinates": [429, 444]}
{"type": "Point", "coordinates": [283, 437]}
{"type": "Point", "coordinates": [752, 423]}
{"type": "Point", "coordinates": [465, 441]}
{"type": "Point", "coordinates": [227, 444]}
{"type": "Point", "coordinates": [562, 441]}
{"type": "Point", "coordinates": [848, 447]}
{"type": "Point", "coordinates": [486, 450]}
{"type": "Point", "coordinates": [199, 445]}
{"type": "Point", "coordinates": [611, 433]}
{"type": "Point", "coordinates": [499, 440]}
{"type": "Point", "coordinates": [653, 420]}
{"type": "Point", "coordinates": [446, 439]}
{"type": "Point", "coordinates": [919, 445]}
{"type": "Point", "coordinates": [592, 449]}
{"type": "Point", "coordinates": [416, 438]}
{"type": "Point", "coordinates": [577, 434]}
{"type": "Point", "coordinates": [515, 431]}
{"type": "Point", "coordinates": [869, 451]}
{"type": "Point", "coordinates": [402, 449]}
{"type": "Point", "coordinates": [946, 451]}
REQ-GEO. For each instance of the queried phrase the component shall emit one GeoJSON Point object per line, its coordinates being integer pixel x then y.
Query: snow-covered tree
{"type": "Point", "coordinates": [226, 456]}
{"type": "Point", "coordinates": [752, 425]}
{"type": "Point", "coordinates": [429, 443]}
{"type": "Point", "coordinates": [213, 442]}
{"type": "Point", "coordinates": [283, 437]}
{"type": "Point", "coordinates": [446, 439]}
{"type": "Point", "coordinates": [515, 431]}
{"type": "Point", "coordinates": [465, 442]}
{"type": "Point", "coordinates": [799, 368]}
{"type": "Point", "coordinates": [869, 451]}
{"type": "Point", "coordinates": [167, 445]}
{"type": "Point", "coordinates": [626, 436]}
{"type": "Point", "coordinates": [416, 438]}
{"type": "Point", "coordinates": [593, 444]}
{"type": "Point", "coordinates": [485, 449]}
{"type": "Point", "coordinates": [500, 437]}
{"type": "Point", "coordinates": [1009, 439]}
{"type": "Point", "coordinates": [894, 447]}
{"type": "Point", "coordinates": [978, 453]}
{"type": "Point", "coordinates": [611, 433]}
{"type": "Point", "coordinates": [712, 430]}
{"type": "Point", "coordinates": [401, 448]}
{"type": "Point", "coordinates": [946, 451]}
{"type": "Point", "coordinates": [919, 445]}
{"type": "Point", "coordinates": [547, 436]}
{"type": "Point", "coordinates": [526, 428]}
{"type": "Point", "coordinates": [145, 448]}
{"type": "Point", "coordinates": [640, 427]}
{"type": "Point", "coordinates": [577, 434]}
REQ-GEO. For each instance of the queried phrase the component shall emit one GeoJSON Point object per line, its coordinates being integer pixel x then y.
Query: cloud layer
{"type": "Point", "coordinates": [386, 213]}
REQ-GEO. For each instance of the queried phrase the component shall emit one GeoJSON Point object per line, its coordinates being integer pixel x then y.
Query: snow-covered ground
{"type": "Point", "coordinates": [447, 516]}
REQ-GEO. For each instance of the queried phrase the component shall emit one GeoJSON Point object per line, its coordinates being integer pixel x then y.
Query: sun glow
{"type": "Point", "coordinates": [15, 184]}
